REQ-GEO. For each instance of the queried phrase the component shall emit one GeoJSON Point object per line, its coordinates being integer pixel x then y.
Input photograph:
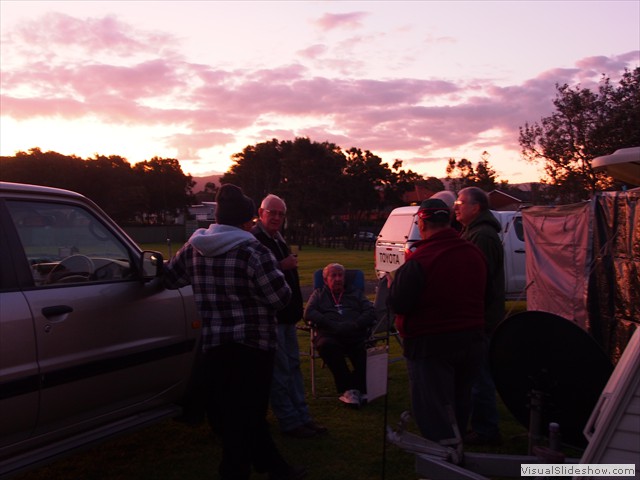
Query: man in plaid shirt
{"type": "Point", "coordinates": [238, 288]}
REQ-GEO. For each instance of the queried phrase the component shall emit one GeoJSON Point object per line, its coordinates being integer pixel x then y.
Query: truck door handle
{"type": "Point", "coordinates": [519, 250]}
{"type": "Point", "coordinates": [56, 310]}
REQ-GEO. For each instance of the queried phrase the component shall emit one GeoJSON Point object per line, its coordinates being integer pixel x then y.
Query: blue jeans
{"type": "Point", "coordinates": [484, 408]}
{"type": "Point", "coordinates": [287, 386]}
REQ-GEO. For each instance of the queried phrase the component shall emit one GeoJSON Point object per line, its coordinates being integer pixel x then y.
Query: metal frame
{"type": "Point", "coordinates": [443, 462]}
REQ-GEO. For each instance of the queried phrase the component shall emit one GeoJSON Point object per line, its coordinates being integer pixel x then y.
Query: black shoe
{"type": "Point", "coordinates": [300, 432]}
{"type": "Point", "coordinates": [316, 427]}
{"type": "Point", "coordinates": [294, 472]}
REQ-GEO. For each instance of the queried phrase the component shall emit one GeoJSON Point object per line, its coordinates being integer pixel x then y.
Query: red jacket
{"type": "Point", "coordinates": [441, 287]}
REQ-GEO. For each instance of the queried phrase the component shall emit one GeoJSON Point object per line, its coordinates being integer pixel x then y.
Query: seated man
{"type": "Point", "coordinates": [342, 317]}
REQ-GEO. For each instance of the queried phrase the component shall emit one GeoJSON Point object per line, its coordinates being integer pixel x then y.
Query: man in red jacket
{"type": "Point", "coordinates": [439, 296]}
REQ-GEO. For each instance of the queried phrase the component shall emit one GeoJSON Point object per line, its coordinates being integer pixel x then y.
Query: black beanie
{"type": "Point", "coordinates": [233, 207]}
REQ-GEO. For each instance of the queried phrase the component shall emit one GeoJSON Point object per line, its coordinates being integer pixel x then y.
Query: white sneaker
{"type": "Point", "coordinates": [351, 397]}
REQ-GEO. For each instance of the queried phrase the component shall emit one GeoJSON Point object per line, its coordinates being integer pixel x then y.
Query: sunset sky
{"type": "Point", "coordinates": [419, 81]}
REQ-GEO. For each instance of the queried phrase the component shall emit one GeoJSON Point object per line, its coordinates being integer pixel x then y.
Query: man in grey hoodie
{"type": "Point", "coordinates": [238, 288]}
{"type": "Point", "coordinates": [481, 228]}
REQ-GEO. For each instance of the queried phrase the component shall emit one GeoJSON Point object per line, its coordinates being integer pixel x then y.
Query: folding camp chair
{"type": "Point", "coordinates": [377, 343]}
{"type": "Point", "coordinates": [352, 277]}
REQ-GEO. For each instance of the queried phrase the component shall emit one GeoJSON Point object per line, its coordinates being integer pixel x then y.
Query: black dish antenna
{"type": "Point", "coordinates": [548, 369]}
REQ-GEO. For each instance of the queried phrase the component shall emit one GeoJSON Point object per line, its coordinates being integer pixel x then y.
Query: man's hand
{"type": "Point", "coordinates": [289, 263]}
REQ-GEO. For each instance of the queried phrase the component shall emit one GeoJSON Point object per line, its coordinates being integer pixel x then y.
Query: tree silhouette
{"type": "Point", "coordinates": [167, 188]}
{"type": "Point", "coordinates": [485, 177]}
{"type": "Point", "coordinates": [112, 184]}
{"type": "Point", "coordinates": [152, 187]}
{"type": "Point", "coordinates": [257, 169]}
{"type": "Point", "coordinates": [312, 180]}
{"type": "Point", "coordinates": [365, 180]}
{"type": "Point", "coordinates": [585, 125]}
{"type": "Point", "coordinates": [462, 174]}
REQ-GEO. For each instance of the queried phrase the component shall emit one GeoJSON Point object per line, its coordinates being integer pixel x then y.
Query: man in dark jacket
{"type": "Point", "coordinates": [481, 228]}
{"type": "Point", "coordinates": [238, 288]}
{"type": "Point", "coordinates": [439, 296]}
{"type": "Point", "coordinates": [287, 388]}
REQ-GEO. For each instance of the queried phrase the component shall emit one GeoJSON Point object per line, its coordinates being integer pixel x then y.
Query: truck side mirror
{"type": "Point", "coordinates": [151, 264]}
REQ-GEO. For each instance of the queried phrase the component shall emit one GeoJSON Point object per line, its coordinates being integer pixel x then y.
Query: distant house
{"type": "Point", "coordinates": [205, 212]}
{"type": "Point", "coordinates": [499, 200]}
{"type": "Point", "coordinates": [519, 195]}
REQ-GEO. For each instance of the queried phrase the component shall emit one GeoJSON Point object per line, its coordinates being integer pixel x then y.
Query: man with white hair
{"type": "Point", "coordinates": [287, 387]}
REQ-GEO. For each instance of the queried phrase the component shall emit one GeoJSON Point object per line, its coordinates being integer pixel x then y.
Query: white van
{"type": "Point", "coordinates": [400, 232]}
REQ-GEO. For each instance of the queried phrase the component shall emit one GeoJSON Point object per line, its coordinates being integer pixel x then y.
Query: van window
{"type": "Point", "coordinates": [518, 228]}
{"type": "Point", "coordinates": [397, 228]}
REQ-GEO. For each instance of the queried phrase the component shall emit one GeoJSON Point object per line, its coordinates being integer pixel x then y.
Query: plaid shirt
{"type": "Point", "coordinates": [237, 293]}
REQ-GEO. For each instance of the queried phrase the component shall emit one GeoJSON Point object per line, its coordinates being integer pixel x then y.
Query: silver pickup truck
{"type": "Point", "coordinates": [91, 345]}
{"type": "Point", "coordinates": [400, 232]}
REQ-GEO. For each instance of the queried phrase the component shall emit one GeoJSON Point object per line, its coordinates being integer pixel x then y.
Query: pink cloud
{"type": "Point", "coordinates": [106, 34]}
{"type": "Point", "coordinates": [25, 108]}
{"type": "Point", "coordinates": [189, 145]}
{"type": "Point", "coordinates": [208, 103]}
{"type": "Point", "coordinates": [330, 21]}
{"type": "Point", "coordinates": [312, 52]}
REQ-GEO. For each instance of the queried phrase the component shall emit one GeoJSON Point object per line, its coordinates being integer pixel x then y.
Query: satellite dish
{"type": "Point", "coordinates": [554, 359]}
{"type": "Point", "coordinates": [623, 165]}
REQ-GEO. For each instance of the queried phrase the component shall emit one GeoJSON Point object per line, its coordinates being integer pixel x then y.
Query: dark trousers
{"type": "Point", "coordinates": [334, 353]}
{"type": "Point", "coordinates": [238, 385]}
{"type": "Point", "coordinates": [484, 410]}
{"type": "Point", "coordinates": [441, 384]}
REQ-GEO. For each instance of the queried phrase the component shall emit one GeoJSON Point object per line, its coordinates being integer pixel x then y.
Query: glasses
{"type": "Point", "coordinates": [418, 216]}
{"type": "Point", "coordinates": [275, 213]}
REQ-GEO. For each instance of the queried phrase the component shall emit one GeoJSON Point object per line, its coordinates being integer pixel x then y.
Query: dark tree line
{"type": "Point", "coordinates": [151, 189]}
{"type": "Point", "coordinates": [320, 181]}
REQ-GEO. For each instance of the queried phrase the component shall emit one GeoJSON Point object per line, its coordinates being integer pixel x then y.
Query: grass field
{"type": "Point", "coordinates": [354, 449]}
{"type": "Point", "coordinates": [309, 259]}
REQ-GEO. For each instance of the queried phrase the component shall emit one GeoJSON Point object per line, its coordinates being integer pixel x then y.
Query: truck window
{"type": "Point", "coordinates": [68, 244]}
